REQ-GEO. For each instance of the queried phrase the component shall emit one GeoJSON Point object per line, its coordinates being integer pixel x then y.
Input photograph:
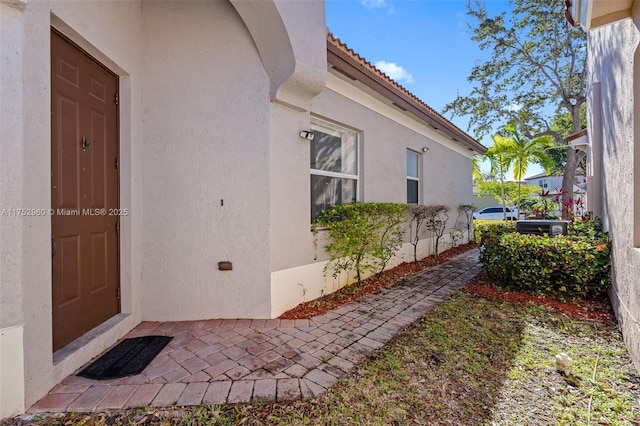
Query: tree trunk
{"type": "Point", "coordinates": [504, 202]}
{"type": "Point", "coordinates": [567, 184]}
{"type": "Point", "coordinates": [519, 197]}
{"type": "Point", "coordinates": [568, 179]}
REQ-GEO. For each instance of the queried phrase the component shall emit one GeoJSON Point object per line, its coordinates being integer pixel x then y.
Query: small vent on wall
{"type": "Point", "coordinates": [225, 265]}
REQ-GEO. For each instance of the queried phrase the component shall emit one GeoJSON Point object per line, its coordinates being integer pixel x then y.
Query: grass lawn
{"type": "Point", "coordinates": [470, 361]}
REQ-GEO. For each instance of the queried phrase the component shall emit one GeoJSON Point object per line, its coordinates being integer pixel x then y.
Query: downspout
{"type": "Point", "coordinates": [594, 180]}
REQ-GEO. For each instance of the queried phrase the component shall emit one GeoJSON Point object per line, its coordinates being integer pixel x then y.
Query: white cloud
{"type": "Point", "coordinates": [394, 71]}
{"type": "Point", "coordinates": [377, 4]}
{"type": "Point", "coordinates": [374, 4]}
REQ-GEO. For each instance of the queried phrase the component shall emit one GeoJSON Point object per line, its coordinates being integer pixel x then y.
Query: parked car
{"type": "Point", "coordinates": [496, 213]}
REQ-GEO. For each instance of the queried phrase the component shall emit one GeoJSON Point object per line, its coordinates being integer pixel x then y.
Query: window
{"type": "Point", "coordinates": [544, 183]}
{"type": "Point", "coordinates": [334, 166]}
{"type": "Point", "coordinates": [413, 177]}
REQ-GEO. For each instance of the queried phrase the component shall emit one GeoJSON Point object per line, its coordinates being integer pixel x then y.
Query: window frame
{"type": "Point", "coordinates": [417, 178]}
{"type": "Point", "coordinates": [331, 128]}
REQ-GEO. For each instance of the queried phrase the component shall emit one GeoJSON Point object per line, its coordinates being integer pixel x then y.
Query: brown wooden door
{"type": "Point", "coordinates": [84, 192]}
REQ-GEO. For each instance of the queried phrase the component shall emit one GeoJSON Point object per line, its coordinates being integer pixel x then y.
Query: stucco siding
{"type": "Point", "coordinates": [385, 133]}
{"type": "Point", "coordinates": [206, 164]}
{"type": "Point", "coordinates": [290, 227]}
{"type": "Point", "coordinates": [613, 63]}
{"type": "Point", "coordinates": [11, 235]}
{"type": "Point", "coordinates": [447, 176]}
{"type": "Point", "coordinates": [11, 163]}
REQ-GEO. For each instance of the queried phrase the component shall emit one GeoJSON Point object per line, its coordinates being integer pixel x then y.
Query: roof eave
{"type": "Point", "coordinates": [373, 79]}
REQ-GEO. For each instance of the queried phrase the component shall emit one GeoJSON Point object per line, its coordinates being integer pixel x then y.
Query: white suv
{"type": "Point", "coordinates": [496, 213]}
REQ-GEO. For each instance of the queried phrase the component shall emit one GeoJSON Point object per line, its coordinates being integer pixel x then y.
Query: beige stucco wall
{"type": "Point", "coordinates": [297, 255]}
{"type": "Point", "coordinates": [217, 171]}
{"type": "Point", "coordinates": [206, 162]}
{"type": "Point", "coordinates": [614, 63]}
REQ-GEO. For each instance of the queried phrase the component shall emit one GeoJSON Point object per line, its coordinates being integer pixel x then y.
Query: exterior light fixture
{"type": "Point", "coordinates": [425, 149]}
{"type": "Point", "coordinates": [307, 135]}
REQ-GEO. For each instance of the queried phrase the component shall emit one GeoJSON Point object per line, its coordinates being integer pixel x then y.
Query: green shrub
{"type": "Point", "coordinates": [465, 212]}
{"type": "Point", "coordinates": [417, 217]}
{"type": "Point", "coordinates": [589, 228]}
{"type": "Point", "coordinates": [491, 229]}
{"type": "Point", "coordinates": [567, 266]}
{"type": "Point", "coordinates": [364, 236]}
{"type": "Point", "coordinates": [436, 222]}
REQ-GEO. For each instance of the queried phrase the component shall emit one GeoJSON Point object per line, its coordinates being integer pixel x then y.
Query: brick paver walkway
{"type": "Point", "coordinates": [227, 361]}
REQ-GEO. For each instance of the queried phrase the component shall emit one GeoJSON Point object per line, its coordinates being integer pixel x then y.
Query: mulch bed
{"type": "Point", "coordinates": [385, 279]}
{"type": "Point", "coordinates": [597, 309]}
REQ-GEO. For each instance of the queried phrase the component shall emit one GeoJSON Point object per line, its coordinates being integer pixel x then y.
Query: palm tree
{"type": "Point", "coordinates": [500, 159]}
{"type": "Point", "coordinates": [476, 173]}
{"type": "Point", "coordinates": [524, 151]}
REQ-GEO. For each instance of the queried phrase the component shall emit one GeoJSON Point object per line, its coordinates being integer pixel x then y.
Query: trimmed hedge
{"type": "Point", "coordinates": [566, 266]}
{"type": "Point", "coordinates": [490, 229]}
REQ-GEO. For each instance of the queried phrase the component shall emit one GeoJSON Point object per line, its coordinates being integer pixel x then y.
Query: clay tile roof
{"type": "Point", "coordinates": [356, 67]}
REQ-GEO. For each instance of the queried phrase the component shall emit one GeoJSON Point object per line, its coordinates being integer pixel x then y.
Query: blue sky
{"type": "Point", "coordinates": [425, 45]}
{"type": "Point", "coordinates": [427, 38]}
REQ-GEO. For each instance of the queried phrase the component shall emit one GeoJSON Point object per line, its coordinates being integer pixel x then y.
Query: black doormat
{"type": "Point", "coordinates": [127, 358]}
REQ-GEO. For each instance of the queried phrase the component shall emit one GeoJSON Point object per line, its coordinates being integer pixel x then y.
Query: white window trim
{"type": "Point", "coordinates": [333, 174]}
{"type": "Point", "coordinates": [337, 130]}
{"type": "Point", "coordinates": [416, 178]}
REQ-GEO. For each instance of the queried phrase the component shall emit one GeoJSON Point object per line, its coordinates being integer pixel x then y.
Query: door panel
{"type": "Point", "coordinates": [97, 157]}
{"type": "Point", "coordinates": [98, 256]}
{"type": "Point", "coordinates": [68, 115]}
{"type": "Point", "coordinates": [84, 179]}
{"type": "Point", "coordinates": [69, 277]}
